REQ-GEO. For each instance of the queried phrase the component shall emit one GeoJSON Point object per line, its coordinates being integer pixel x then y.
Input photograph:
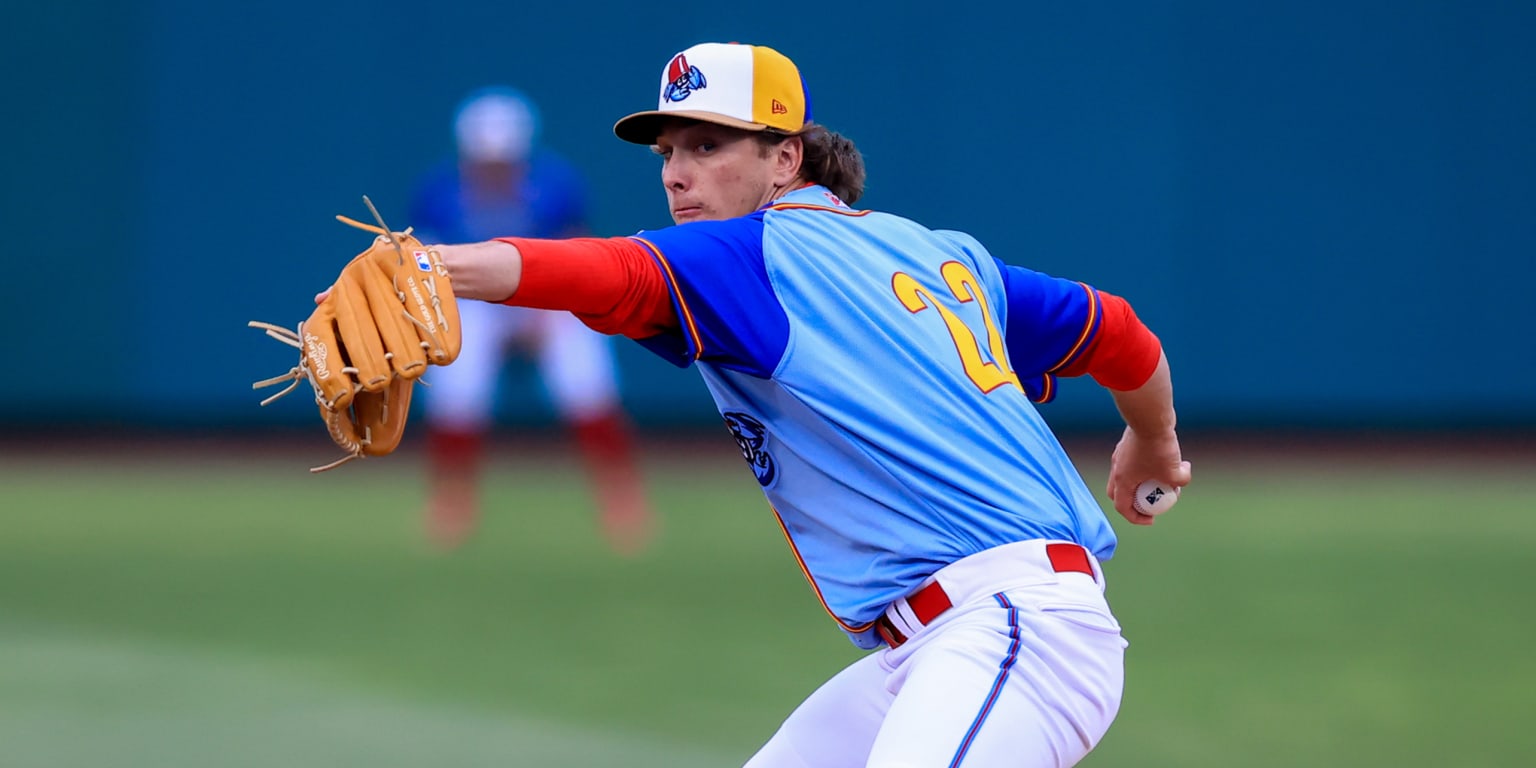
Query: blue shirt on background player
{"type": "Point", "coordinates": [550, 193]}
{"type": "Point", "coordinates": [878, 377]}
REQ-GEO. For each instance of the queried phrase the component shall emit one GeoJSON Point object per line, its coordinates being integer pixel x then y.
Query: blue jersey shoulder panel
{"type": "Point", "coordinates": [1050, 322]}
{"type": "Point", "coordinates": [727, 312]}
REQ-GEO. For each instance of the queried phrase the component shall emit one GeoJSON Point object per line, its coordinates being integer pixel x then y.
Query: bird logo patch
{"type": "Point", "coordinates": [751, 437]}
{"type": "Point", "coordinates": [682, 79]}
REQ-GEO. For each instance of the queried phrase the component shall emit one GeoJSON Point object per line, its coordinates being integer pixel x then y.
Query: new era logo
{"type": "Point", "coordinates": [779, 108]}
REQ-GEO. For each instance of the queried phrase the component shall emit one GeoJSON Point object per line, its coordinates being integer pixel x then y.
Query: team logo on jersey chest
{"type": "Point", "coordinates": [751, 436]}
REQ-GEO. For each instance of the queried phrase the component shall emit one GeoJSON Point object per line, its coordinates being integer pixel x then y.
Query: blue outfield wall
{"type": "Point", "coordinates": [1326, 209]}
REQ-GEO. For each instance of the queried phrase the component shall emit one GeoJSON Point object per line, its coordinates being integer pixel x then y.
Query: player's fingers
{"type": "Point", "coordinates": [1176, 478]}
{"type": "Point", "coordinates": [1134, 517]}
{"type": "Point", "coordinates": [1112, 488]}
{"type": "Point", "coordinates": [1182, 475]}
{"type": "Point", "coordinates": [322, 296]}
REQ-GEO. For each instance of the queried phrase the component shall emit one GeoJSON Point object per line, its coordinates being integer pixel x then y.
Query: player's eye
{"type": "Point", "coordinates": [704, 147]}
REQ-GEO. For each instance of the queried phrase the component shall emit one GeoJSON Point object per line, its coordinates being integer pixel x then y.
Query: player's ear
{"type": "Point", "coordinates": [787, 156]}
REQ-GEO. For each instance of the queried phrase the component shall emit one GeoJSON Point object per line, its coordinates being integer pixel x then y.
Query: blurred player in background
{"type": "Point", "coordinates": [501, 182]}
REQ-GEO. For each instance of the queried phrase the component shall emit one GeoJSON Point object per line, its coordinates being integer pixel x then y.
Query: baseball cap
{"type": "Point", "coordinates": [494, 124]}
{"type": "Point", "coordinates": [751, 87]}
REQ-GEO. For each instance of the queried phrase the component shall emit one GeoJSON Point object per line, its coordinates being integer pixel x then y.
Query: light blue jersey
{"type": "Point", "coordinates": [877, 376]}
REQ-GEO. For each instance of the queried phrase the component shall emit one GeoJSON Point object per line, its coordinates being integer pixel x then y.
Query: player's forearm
{"type": "Point", "coordinates": [488, 271]}
{"type": "Point", "coordinates": [1148, 409]}
{"type": "Point", "coordinates": [612, 284]}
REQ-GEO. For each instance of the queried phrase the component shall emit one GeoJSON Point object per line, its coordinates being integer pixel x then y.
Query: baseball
{"type": "Point", "coordinates": [1154, 498]}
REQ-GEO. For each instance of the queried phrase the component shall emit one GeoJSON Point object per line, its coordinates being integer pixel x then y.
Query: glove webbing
{"type": "Point", "coordinates": [299, 373]}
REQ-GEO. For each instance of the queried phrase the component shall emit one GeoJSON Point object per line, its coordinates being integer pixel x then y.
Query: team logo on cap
{"type": "Point", "coordinates": [682, 79]}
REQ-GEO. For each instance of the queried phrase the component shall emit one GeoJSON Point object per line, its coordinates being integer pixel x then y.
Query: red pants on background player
{"type": "Point", "coordinates": [577, 370]}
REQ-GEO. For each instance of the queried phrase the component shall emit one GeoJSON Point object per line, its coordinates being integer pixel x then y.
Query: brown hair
{"type": "Point", "coordinates": [830, 160]}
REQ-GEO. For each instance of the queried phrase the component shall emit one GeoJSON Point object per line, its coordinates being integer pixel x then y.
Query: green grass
{"type": "Point", "coordinates": [171, 612]}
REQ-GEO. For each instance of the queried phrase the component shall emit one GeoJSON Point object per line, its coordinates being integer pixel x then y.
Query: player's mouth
{"type": "Point", "coordinates": [684, 212]}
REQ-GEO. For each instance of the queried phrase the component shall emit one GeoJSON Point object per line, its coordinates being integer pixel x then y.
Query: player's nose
{"type": "Point", "coordinates": [674, 176]}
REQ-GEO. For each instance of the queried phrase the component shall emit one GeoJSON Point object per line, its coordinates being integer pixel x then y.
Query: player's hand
{"type": "Point", "coordinates": [1143, 457]}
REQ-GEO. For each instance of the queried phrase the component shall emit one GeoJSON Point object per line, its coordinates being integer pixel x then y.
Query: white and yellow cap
{"type": "Point", "coordinates": [751, 87]}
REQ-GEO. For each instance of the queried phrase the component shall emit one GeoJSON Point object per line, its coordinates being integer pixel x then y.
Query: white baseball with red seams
{"type": "Point", "coordinates": [1154, 498]}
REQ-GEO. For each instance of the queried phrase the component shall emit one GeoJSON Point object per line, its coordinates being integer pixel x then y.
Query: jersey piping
{"type": "Point", "coordinates": [696, 341]}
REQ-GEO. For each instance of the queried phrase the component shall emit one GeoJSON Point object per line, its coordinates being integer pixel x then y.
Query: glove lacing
{"type": "Point", "coordinates": [302, 372]}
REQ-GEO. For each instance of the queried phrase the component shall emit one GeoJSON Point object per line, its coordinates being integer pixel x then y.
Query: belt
{"type": "Point", "coordinates": [931, 601]}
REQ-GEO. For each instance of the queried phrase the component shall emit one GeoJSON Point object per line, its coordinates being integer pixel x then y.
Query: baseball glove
{"type": "Point", "coordinates": [389, 315]}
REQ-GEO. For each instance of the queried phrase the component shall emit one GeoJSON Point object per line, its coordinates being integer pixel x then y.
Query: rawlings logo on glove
{"type": "Point", "coordinates": [385, 319]}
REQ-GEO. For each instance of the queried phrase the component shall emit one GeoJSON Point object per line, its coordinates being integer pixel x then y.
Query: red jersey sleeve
{"type": "Point", "coordinates": [1123, 354]}
{"type": "Point", "coordinates": [611, 284]}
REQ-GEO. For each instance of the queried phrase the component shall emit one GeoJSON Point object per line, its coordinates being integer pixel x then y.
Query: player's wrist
{"type": "Point", "coordinates": [487, 271]}
{"type": "Point", "coordinates": [1154, 432]}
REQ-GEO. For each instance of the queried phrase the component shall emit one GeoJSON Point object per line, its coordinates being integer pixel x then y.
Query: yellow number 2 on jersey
{"type": "Point", "coordinates": [963, 285]}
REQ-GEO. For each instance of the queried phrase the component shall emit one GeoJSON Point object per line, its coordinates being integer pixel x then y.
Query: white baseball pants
{"type": "Point", "coordinates": [1025, 670]}
{"type": "Point", "coordinates": [574, 361]}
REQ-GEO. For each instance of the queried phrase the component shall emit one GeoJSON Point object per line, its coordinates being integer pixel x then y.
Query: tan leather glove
{"type": "Point", "coordinates": [389, 315]}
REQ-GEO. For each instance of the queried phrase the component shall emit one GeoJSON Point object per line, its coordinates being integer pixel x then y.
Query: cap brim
{"type": "Point", "coordinates": [644, 127]}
